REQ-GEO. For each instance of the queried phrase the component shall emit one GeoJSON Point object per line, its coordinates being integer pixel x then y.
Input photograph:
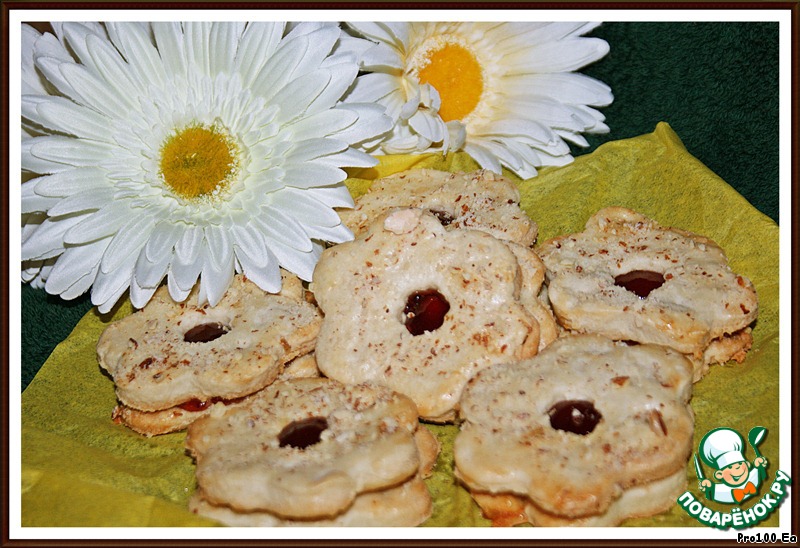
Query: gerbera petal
{"type": "Point", "coordinates": [335, 234]}
{"type": "Point", "coordinates": [565, 55]}
{"type": "Point", "coordinates": [218, 245]}
{"type": "Point", "coordinates": [69, 182]}
{"type": "Point", "coordinates": [311, 149]}
{"type": "Point", "coordinates": [277, 227]}
{"type": "Point", "coordinates": [95, 92]}
{"type": "Point", "coordinates": [140, 295]}
{"type": "Point", "coordinates": [128, 240]}
{"type": "Point", "coordinates": [108, 288]}
{"type": "Point", "coordinates": [373, 30]}
{"type": "Point", "coordinates": [163, 240]}
{"type": "Point", "coordinates": [266, 276]}
{"type": "Point", "coordinates": [104, 222]}
{"type": "Point", "coordinates": [82, 201]}
{"type": "Point", "coordinates": [50, 68]}
{"type": "Point", "coordinates": [483, 156]}
{"type": "Point", "coordinates": [298, 95]}
{"type": "Point", "coordinates": [32, 201]}
{"type": "Point", "coordinates": [30, 79]}
{"type": "Point", "coordinates": [372, 87]}
{"type": "Point", "coordinates": [348, 158]}
{"type": "Point", "coordinates": [112, 68]}
{"type": "Point", "coordinates": [75, 36]}
{"type": "Point", "coordinates": [75, 263]}
{"type": "Point", "coordinates": [139, 52]}
{"type": "Point", "coordinates": [258, 43]}
{"type": "Point", "coordinates": [332, 196]}
{"type": "Point", "coordinates": [381, 57]}
{"type": "Point", "coordinates": [301, 263]}
{"type": "Point", "coordinates": [48, 239]}
{"type": "Point", "coordinates": [372, 118]}
{"type": "Point", "coordinates": [30, 162]}
{"type": "Point", "coordinates": [169, 42]}
{"type": "Point", "coordinates": [323, 124]}
{"type": "Point", "coordinates": [250, 240]}
{"type": "Point", "coordinates": [222, 45]}
{"type": "Point", "coordinates": [150, 273]}
{"type": "Point", "coordinates": [196, 45]}
{"type": "Point", "coordinates": [189, 245]}
{"type": "Point", "coordinates": [183, 275]}
{"type": "Point", "coordinates": [569, 87]}
{"type": "Point", "coordinates": [541, 33]}
{"type": "Point", "coordinates": [72, 152]}
{"type": "Point", "coordinates": [429, 126]}
{"type": "Point", "coordinates": [215, 279]}
{"type": "Point", "coordinates": [529, 129]}
{"type": "Point", "coordinates": [312, 175]}
{"type": "Point", "coordinates": [305, 208]}
{"type": "Point", "coordinates": [65, 116]}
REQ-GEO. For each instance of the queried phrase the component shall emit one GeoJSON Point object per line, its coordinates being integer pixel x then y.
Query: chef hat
{"type": "Point", "coordinates": [722, 447]}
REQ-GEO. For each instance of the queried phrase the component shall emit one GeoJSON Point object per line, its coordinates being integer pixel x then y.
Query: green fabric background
{"type": "Point", "coordinates": [716, 84]}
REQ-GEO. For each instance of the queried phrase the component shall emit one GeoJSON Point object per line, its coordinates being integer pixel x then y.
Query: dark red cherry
{"type": "Point", "coordinates": [576, 416]}
{"type": "Point", "coordinates": [640, 282]}
{"type": "Point", "coordinates": [425, 311]}
{"type": "Point", "coordinates": [205, 332]}
{"type": "Point", "coordinates": [303, 433]}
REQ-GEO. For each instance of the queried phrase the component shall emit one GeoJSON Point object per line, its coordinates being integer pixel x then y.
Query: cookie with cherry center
{"type": "Point", "coordinates": [589, 432]}
{"type": "Point", "coordinates": [421, 309]}
{"type": "Point", "coordinates": [629, 278]}
{"type": "Point", "coordinates": [314, 452]}
{"type": "Point", "coordinates": [171, 362]}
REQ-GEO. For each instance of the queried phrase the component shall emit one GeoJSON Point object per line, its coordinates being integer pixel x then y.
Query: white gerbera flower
{"type": "Point", "coordinates": [185, 151]}
{"type": "Point", "coordinates": [506, 93]}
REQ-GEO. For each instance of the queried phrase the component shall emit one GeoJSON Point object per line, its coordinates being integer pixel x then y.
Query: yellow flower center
{"type": "Point", "coordinates": [198, 162]}
{"type": "Point", "coordinates": [456, 74]}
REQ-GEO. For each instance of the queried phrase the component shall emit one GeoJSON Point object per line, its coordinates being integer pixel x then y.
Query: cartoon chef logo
{"type": "Point", "coordinates": [737, 479]}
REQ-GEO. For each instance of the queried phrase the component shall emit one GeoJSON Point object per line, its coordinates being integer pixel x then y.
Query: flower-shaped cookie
{"type": "Point", "coordinates": [305, 448]}
{"type": "Point", "coordinates": [420, 309]}
{"type": "Point", "coordinates": [579, 430]}
{"type": "Point", "coordinates": [628, 278]}
{"type": "Point", "coordinates": [170, 353]}
{"type": "Point", "coordinates": [480, 200]}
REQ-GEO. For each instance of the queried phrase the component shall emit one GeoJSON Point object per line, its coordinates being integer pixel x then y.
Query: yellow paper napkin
{"type": "Point", "coordinates": [80, 469]}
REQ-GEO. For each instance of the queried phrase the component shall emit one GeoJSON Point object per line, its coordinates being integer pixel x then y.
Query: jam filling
{"type": "Point", "coordinates": [303, 433]}
{"type": "Point", "coordinates": [205, 332]}
{"type": "Point", "coordinates": [425, 311]}
{"type": "Point", "coordinates": [196, 404]}
{"type": "Point", "coordinates": [640, 282]}
{"type": "Point", "coordinates": [576, 416]}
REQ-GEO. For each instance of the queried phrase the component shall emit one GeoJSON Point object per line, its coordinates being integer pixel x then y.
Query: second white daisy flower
{"type": "Point", "coordinates": [505, 93]}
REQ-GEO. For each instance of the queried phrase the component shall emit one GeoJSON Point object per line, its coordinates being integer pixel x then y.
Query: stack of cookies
{"type": "Point", "coordinates": [587, 433]}
{"type": "Point", "coordinates": [567, 367]}
{"type": "Point", "coordinates": [172, 362]}
{"type": "Point", "coordinates": [314, 452]}
{"type": "Point", "coordinates": [629, 278]}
